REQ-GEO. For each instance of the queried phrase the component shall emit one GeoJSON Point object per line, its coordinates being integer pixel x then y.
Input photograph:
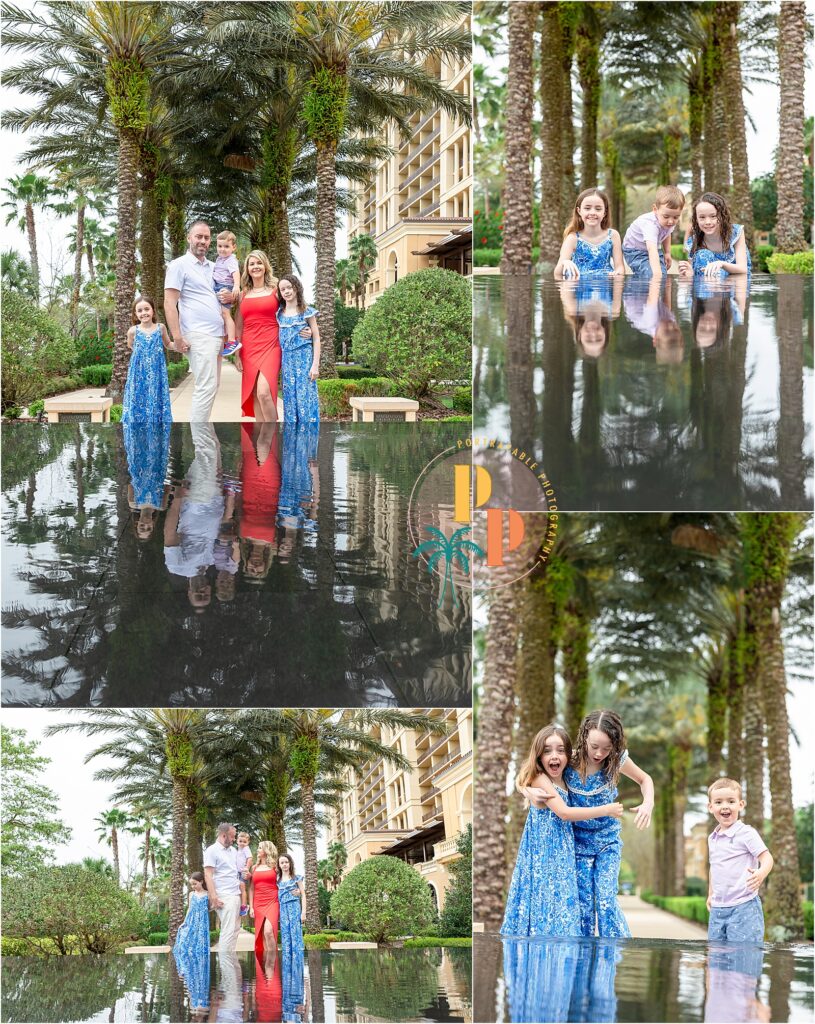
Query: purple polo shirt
{"type": "Point", "coordinates": [645, 228]}
{"type": "Point", "coordinates": [732, 852]}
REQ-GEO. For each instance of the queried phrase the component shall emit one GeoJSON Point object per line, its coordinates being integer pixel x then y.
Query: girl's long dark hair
{"type": "Point", "coordinates": [297, 284]}
{"type": "Point", "coordinates": [607, 722]}
{"type": "Point", "coordinates": [725, 221]}
{"type": "Point", "coordinates": [136, 301]}
{"type": "Point", "coordinates": [199, 877]}
{"type": "Point", "coordinates": [576, 223]}
{"type": "Point", "coordinates": [291, 866]}
{"type": "Point", "coordinates": [533, 765]}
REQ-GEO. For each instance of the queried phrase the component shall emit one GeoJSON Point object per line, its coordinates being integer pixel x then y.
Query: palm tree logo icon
{"type": "Point", "coordinates": [454, 550]}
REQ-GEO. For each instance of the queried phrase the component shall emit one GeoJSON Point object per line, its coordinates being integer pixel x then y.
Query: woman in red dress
{"type": "Point", "coordinates": [256, 325]}
{"type": "Point", "coordinates": [260, 485]}
{"type": "Point", "coordinates": [264, 904]}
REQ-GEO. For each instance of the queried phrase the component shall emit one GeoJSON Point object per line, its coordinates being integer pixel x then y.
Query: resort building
{"type": "Point", "coordinates": [696, 852]}
{"type": "Point", "coordinates": [415, 815]}
{"type": "Point", "coordinates": [418, 207]}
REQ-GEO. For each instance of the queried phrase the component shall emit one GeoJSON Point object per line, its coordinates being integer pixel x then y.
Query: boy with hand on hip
{"type": "Point", "coordinates": [739, 863]}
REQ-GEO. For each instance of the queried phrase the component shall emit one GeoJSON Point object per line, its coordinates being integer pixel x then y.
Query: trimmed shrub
{"type": "Point", "coordinates": [322, 940]}
{"type": "Point", "coordinates": [456, 419]}
{"type": "Point", "coordinates": [34, 348]}
{"type": "Point", "coordinates": [69, 904]}
{"type": "Point", "coordinates": [334, 393]}
{"type": "Point", "coordinates": [763, 253]}
{"type": "Point", "coordinates": [420, 330]}
{"type": "Point", "coordinates": [116, 414]}
{"type": "Point", "coordinates": [457, 916]}
{"type": "Point", "coordinates": [808, 904]}
{"type": "Point", "coordinates": [695, 886]}
{"type": "Point", "coordinates": [36, 407]}
{"type": "Point", "coordinates": [791, 263]}
{"type": "Point", "coordinates": [434, 941]}
{"type": "Point", "coordinates": [178, 371]}
{"type": "Point", "coordinates": [463, 399]}
{"type": "Point", "coordinates": [383, 897]}
{"type": "Point", "coordinates": [492, 257]}
{"type": "Point", "coordinates": [12, 412]}
{"type": "Point", "coordinates": [97, 376]}
{"type": "Point", "coordinates": [353, 372]}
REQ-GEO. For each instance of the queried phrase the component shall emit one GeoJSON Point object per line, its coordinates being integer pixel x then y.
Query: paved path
{"type": "Point", "coordinates": [246, 943]}
{"type": "Point", "coordinates": [649, 922]}
{"type": "Point", "coordinates": [227, 407]}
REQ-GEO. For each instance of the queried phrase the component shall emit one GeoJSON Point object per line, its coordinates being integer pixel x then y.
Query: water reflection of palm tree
{"type": "Point", "coordinates": [790, 325]}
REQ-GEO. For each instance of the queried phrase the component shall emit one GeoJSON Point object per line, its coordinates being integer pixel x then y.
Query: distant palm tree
{"type": "Point", "coordinates": [108, 825]}
{"type": "Point", "coordinates": [363, 250]}
{"type": "Point", "coordinates": [346, 277]}
{"type": "Point", "coordinates": [453, 551]}
{"type": "Point", "coordinates": [98, 865]}
{"type": "Point", "coordinates": [16, 273]}
{"type": "Point", "coordinates": [338, 858]}
{"type": "Point", "coordinates": [23, 194]}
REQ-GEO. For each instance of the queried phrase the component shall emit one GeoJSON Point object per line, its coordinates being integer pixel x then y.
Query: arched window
{"type": "Point", "coordinates": [465, 811]}
{"type": "Point", "coordinates": [393, 267]}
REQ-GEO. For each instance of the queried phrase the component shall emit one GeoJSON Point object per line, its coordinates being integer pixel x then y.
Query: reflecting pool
{"type": "Point", "coordinates": [223, 565]}
{"type": "Point", "coordinates": [640, 980]}
{"type": "Point", "coordinates": [327, 985]}
{"type": "Point", "coordinates": [652, 396]}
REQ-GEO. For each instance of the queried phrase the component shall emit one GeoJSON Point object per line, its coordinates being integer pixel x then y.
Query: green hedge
{"type": "Point", "coordinates": [692, 908]}
{"type": "Point", "coordinates": [492, 257]}
{"type": "Point", "coordinates": [335, 392]}
{"type": "Point", "coordinates": [432, 940]}
{"type": "Point", "coordinates": [322, 940]}
{"type": "Point", "coordinates": [36, 407]}
{"type": "Point", "coordinates": [22, 947]}
{"type": "Point", "coordinates": [763, 253]}
{"type": "Point", "coordinates": [456, 419]}
{"type": "Point", "coordinates": [97, 376]}
{"type": "Point", "coordinates": [791, 263]}
{"type": "Point", "coordinates": [116, 414]}
{"type": "Point", "coordinates": [463, 399]}
{"type": "Point", "coordinates": [353, 372]}
{"type": "Point", "coordinates": [808, 904]}
{"type": "Point", "coordinates": [163, 938]}
{"type": "Point", "coordinates": [178, 371]}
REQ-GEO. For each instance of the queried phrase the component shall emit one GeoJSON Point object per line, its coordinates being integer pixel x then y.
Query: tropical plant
{"type": "Point", "coordinates": [16, 274]}
{"type": "Point", "coordinates": [362, 249]}
{"type": "Point", "coordinates": [35, 348]}
{"type": "Point", "coordinates": [383, 897]}
{"type": "Point", "coordinates": [108, 824]}
{"type": "Point", "coordinates": [23, 194]}
{"type": "Point", "coordinates": [457, 914]}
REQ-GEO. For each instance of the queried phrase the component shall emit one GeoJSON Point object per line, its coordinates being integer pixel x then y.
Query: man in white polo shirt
{"type": "Point", "coordinates": [223, 887]}
{"type": "Point", "coordinates": [194, 317]}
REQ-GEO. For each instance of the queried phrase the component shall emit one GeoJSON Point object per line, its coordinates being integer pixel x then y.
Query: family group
{"type": "Point", "coordinates": [715, 245]}
{"type": "Point", "coordinates": [277, 327]}
{"type": "Point", "coordinates": [566, 877]}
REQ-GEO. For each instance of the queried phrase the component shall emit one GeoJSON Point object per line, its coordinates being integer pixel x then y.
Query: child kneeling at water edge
{"type": "Point", "coordinates": [739, 863]}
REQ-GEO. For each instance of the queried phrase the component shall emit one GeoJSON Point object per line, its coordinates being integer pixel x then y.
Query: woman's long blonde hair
{"type": "Point", "coordinates": [533, 765]}
{"type": "Point", "coordinates": [269, 280]}
{"type": "Point", "coordinates": [270, 851]}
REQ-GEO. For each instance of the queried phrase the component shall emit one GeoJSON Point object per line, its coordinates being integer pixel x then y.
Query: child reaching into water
{"type": "Point", "coordinates": [543, 897]}
{"type": "Point", "coordinates": [715, 245]}
{"type": "Point", "coordinates": [590, 244]}
{"type": "Point", "coordinates": [591, 779]}
{"type": "Point", "coordinates": [647, 243]}
{"type": "Point", "coordinates": [301, 356]}
{"type": "Point", "coordinates": [739, 863]}
{"type": "Point", "coordinates": [146, 396]}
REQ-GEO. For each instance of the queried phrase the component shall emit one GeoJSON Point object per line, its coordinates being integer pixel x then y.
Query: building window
{"type": "Point", "coordinates": [434, 896]}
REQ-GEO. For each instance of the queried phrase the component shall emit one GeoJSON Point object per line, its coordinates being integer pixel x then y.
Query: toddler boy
{"type": "Point", "coordinates": [647, 243]}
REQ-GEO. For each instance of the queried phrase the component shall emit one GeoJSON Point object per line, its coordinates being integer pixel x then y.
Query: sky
{"type": "Point", "coordinates": [81, 798]}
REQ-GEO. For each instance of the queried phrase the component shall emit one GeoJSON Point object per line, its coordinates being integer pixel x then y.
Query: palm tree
{"type": "Point", "coordinates": [16, 273]}
{"type": "Point", "coordinates": [146, 819]}
{"type": "Point", "coordinates": [338, 858]}
{"type": "Point", "coordinates": [789, 172]}
{"type": "Point", "coordinates": [363, 250]}
{"type": "Point", "coordinates": [108, 825]}
{"type": "Point", "coordinates": [354, 58]}
{"type": "Point", "coordinates": [551, 98]}
{"type": "Point", "coordinates": [23, 194]}
{"type": "Point", "coordinates": [517, 246]}
{"type": "Point", "coordinates": [346, 278]}
{"type": "Point", "coordinates": [325, 872]}
{"type": "Point", "coordinates": [728, 12]}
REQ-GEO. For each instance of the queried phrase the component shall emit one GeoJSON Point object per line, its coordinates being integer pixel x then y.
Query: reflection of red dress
{"type": "Point", "coordinates": [261, 487]}
{"type": "Point", "coordinates": [267, 905]}
{"type": "Point", "coordinates": [268, 991]}
{"type": "Point", "coordinates": [261, 347]}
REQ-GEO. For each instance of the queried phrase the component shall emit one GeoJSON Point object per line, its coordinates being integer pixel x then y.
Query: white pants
{"type": "Point", "coordinates": [229, 916]}
{"type": "Point", "coordinates": [206, 369]}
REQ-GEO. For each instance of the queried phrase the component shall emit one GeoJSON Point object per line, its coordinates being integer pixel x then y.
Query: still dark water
{"type": "Point", "coordinates": [223, 565]}
{"type": "Point", "coordinates": [689, 395]}
{"type": "Point", "coordinates": [335, 985]}
{"type": "Point", "coordinates": [640, 980]}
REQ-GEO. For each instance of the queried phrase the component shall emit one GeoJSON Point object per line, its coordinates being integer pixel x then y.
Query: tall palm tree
{"type": "Point", "coordinates": [362, 249]}
{"type": "Point", "coordinates": [516, 257]}
{"type": "Point", "coordinates": [338, 858]}
{"type": "Point", "coordinates": [108, 824]}
{"type": "Point", "coordinates": [146, 820]}
{"type": "Point", "coordinates": [789, 171]}
{"type": "Point", "coordinates": [551, 98]}
{"type": "Point", "coordinates": [16, 273]}
{"type": "Point", "coordinates": [346, 278]}
{"type": "Point", "coordinates": [728, 12]}
{"type": "Point", "coordinates": [363, 62]}
{"type": "Point", "coordinates": [23, 194]}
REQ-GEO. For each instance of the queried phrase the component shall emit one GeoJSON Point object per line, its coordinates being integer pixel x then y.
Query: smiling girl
{"type": "Point", "coordinates": [146, 396]}
{"type": "Point", "coordinates": [590, 243]}
{"type": "Point", "coordinates": [543, 897]}
{"type": "Point", "coordinates": [715, 245]}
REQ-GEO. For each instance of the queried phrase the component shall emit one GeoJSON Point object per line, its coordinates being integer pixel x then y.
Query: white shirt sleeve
{"type": "Point", "coordinates": [175, 275]}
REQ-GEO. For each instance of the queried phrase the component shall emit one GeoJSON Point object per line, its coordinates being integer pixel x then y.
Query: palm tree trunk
{"type": "Point", "coordinates": [114, 845]}
{"type": "Point", "coordinates": [149, 240]}
{"type": "Point", "coordinates": [789, 171]}
{"type": "Point", "coordinates": [551, 94]}
{"type": "Point", "coordinates": [145, 865]}
{"type": "Point", "coordinates": [568, 192]}
{"type": "Point", "coordinates": [791, 421]}
{"type": "Point", "coordinates": [517, 252]}
{"type": "Point", "coordinates": [176, 221]}
{"type": "Point", "coordinates": [127, 190]}
{"type": "Point", "coordinates": [315, 981]}
{"type": "Point", "coordinates": [75, 292]}
{"type": "Point", "coordinates": [681, 758]}
{"type": "Point", "coordinates": [574, 643]}
{"type": "Point", "coordinates": [310, 853]}
{"type": "Point", "coordinates": [735, 702]}
{"type": "Point", "coordinates": [179, 804]}
{"type": "Point", "coordinates": [31, 231]}
{"type": "Point", "coordinates": [282, 236]}
{"type": "Point", "coordinates": [753, 729]}
{"type": "Point", "coordinates": [717, 691]}
{"type": "Point", "coordinates": [741, 198]}
{"type": "Point", "coordinates": [492, 760]}
{"type": "Point", "coordinates": [195, 846]}
{"type": "Point", "coordinates": [696, 117]}
{"type": "Point", "coordinates": [588, 67]}
{"type": "Point", "coordinates": [326, 258]}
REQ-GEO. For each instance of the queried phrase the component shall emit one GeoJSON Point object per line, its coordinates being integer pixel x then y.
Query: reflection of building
{"type": "Point", "coordinates": [415, 815]}
{"type": "Point", "coordinates": [418, 206]}
{"type": "Point", "coordinates": [696, 854]}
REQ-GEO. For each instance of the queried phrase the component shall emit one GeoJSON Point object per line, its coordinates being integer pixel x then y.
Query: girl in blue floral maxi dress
{"type": "Point", "coordinates": [590, 243]}
{"type": "Point", "coordinates": [292, 898]}
{"type": "Point", "coordinates": [591, 778]}
{"type": "Point", "coordinates": [301, 356]}
{"type": "Point", "coordinates": [191, 947]}
{"type": "Point", "coordinates": [543, 897]}
{"type": "Point", "coordinates": [147, 390]}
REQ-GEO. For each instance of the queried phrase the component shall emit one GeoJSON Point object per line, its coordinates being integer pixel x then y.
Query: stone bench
{"type": "Point", "coordinates": [373, 410]}
{"type": "Point", "coordinates": [89, 406]}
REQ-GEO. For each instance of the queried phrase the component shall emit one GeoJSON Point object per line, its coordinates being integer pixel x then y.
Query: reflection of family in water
{"type": "Point", "coordinates": [217, 525]}
{"type": "Point", "coordinates": [593, 302]}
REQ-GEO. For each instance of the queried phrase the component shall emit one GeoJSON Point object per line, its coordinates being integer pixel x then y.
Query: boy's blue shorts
{"type": "Point", "coordinates": [742, 923]}
{"type": "Point", "coordinates": [640, 265]}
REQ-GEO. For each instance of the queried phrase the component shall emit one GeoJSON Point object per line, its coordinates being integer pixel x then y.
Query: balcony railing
{"type": "Point", "coordinates": [423, 190]}
{"type": "Point", "coordinates": [419, 171]}
{"type": "Point", "coordinates": [419, 126]}
{"type": "Point", "coordinates": [430, 794]}
{"type": "Point", "coordinates": [424, 754]}
{"type": "Point", "coordinates": [419, 147]}
{"type": "Point", "coordinates": [373, 768]}
{"type": "Point", "coordinates": [435, 813]}
{"type": "Point", "coordinates": [444, 848]}
{"type": "Point", "coordinates": [454, 755]}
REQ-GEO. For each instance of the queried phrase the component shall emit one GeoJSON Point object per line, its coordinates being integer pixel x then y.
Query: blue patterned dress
{"type": "Point", "coordinates": [147, 390]}
{"type": "Point", "coordinates": [702, 257]}
{"type": "Point", "coordinates": [291, 930]}
{"type": "Point", "coordinates": [598, 848]}
{"type": "Point", "coordinates": [543, 897]}
{"type": "Point", "coordinates": [300, 401]}
{"type": "Point", "coordinates": [191, 951]}
{"type": "Point", "coordinates": [296, 485]}
{"type": "Point", "coordinates": [593, 259]}
{"type": "Point", "coordinates": [148, 451]}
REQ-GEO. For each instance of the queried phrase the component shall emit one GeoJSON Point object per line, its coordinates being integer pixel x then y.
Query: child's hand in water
{"type": "Point", "coordinates": [685, 269]}
{"type": "Point", "coordinates": [643, 818]}
{"type": "Point", "coordinates": [568, 269]}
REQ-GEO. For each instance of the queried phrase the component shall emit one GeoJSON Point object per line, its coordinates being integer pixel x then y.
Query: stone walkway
{"type": "Point", "coordinates": [246, 943]}
{"type": "Point", "coordinates": [649, 922]}
{"type": "Point", "coordinates": [227, 407]}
